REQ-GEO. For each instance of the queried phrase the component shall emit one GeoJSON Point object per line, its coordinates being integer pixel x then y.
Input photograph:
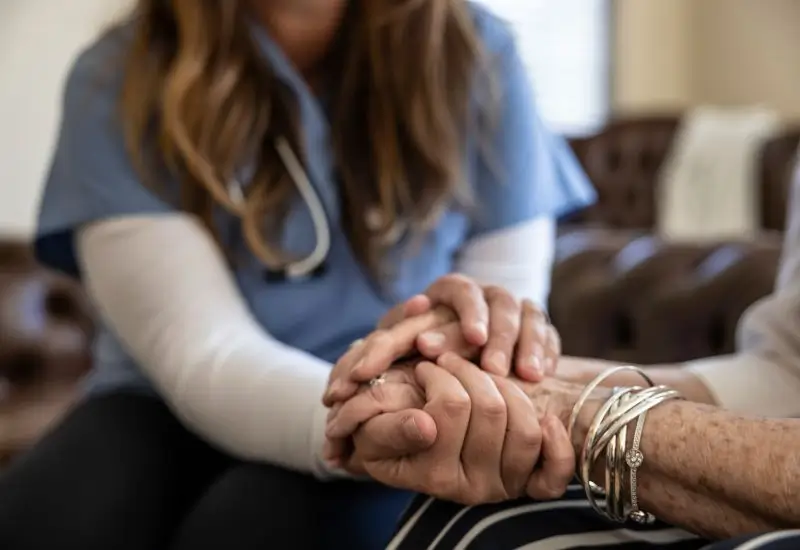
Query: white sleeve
{"type": "Point", "coordinates": [518, 258]}
{"type": "Point", "coordinates": [164, 287]}
{"type": "Point", "coordinates": [763, 377]}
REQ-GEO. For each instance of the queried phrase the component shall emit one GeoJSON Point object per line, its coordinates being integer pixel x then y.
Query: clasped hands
{"type": "Point", "coordinates": [466, 408]}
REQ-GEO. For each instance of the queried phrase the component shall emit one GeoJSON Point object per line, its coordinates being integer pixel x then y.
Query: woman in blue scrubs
{"type": "Point", "coordinates": [246, 188]}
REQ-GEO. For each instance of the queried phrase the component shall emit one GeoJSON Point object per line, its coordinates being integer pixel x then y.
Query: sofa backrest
{"type": "Point", "coordinates": [623, 161]}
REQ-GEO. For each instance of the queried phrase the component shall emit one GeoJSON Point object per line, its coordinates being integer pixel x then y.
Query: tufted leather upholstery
{"type": "Point", "coordinates": [774, 170]}
{"type": "Point", "coordinates": [627, 296]}
{"type": "Point", "coordinates": [623, 162]}
{"type": "Point", "coordinates": [45, 338]}
{"type": "Point", "coordinates": [620, 293]}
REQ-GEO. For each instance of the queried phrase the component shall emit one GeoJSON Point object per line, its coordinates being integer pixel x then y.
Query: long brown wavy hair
{"type": "Point", "coordinates": [199, 91]}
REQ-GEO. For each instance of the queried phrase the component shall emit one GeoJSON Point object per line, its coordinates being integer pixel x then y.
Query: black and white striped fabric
{"type": "Point", "coordinates": [568, 523]}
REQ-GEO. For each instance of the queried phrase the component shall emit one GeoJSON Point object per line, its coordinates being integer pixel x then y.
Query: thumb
{"type": "Point", "coordinates": [395, 435]}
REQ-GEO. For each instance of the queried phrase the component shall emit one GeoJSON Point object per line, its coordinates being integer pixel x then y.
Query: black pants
{"type": "Point", "coordinates": [121, 473]}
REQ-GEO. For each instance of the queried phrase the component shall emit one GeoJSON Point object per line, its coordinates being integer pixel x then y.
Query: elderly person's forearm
{"type": "Point", "coordinates": [714, 472]}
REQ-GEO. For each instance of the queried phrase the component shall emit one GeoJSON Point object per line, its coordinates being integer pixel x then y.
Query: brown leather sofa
{"type": "Point", "coordinates": [46, 329]}
{"type": "Point", "coordinates": [620, 293]}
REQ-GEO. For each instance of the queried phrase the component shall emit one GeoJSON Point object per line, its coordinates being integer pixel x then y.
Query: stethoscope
{"type": "Point", "coordinates": [303, 267]}
{"type": "Point", "coordinates": [315, 261]}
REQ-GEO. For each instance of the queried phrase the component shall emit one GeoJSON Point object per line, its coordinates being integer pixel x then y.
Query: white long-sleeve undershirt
{"type": "Point", "coordinates": [165, 289]}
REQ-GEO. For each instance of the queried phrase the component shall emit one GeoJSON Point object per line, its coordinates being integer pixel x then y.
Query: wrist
{"type": "Point", "coordinates": [585, 417]}
{"type": "Point", "coordinates": [559, 397]}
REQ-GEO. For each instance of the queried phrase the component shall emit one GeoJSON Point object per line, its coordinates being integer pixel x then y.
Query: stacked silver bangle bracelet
{"type": "Point", "coordinates": [607, 437]}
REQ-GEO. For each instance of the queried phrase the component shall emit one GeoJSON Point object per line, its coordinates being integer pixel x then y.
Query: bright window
{"type": "Point", "coordinates": [566, 44]}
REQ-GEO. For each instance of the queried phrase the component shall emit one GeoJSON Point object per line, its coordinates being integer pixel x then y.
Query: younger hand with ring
{"type": "Point", "coordinates": [487, 324]}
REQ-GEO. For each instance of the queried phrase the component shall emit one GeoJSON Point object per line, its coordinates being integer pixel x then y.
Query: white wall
{"type": "Point", "coordinates": [38, 39]}
{"type": "Point", "coordinates": [565, 45]}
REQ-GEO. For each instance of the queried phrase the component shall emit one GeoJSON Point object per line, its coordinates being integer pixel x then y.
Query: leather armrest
{"type": "Point", "coordinates": [630, 297]}
{"type": "Point", "coordinates": [46, 330]}
{"type": "Point", "coordinates": [697, 315]}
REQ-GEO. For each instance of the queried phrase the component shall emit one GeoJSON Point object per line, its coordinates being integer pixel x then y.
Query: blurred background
{"type": "Point", "coordinates": [590, 59]}
{"type": "Point", "coordinates": [684, 114]}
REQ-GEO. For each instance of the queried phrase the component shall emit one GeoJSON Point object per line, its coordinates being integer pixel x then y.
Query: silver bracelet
{"type": "Point", "coordinates": [589, 454]}
{"type": "Point", "coordinates": [634, 458]}
{"type": "Point", "coordinates": [611, 467]}
{"type": "Point", "coordinates": [593, 385]}
{"type": "Point", "coordinates": [619, 469]}
{"type": "Point", "coordinates": [608, 433]}
{"type": "Point", "coordinates": [634, 411]}
{"type": "Point", "coordinates": [615, 467]}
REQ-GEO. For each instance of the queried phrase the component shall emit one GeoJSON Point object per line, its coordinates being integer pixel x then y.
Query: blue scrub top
{"type": "Point", "coordinates": [91, 178]}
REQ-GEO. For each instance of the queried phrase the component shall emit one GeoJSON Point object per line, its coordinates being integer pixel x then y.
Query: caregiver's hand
{"type": "Point", "coordinates": [489, 323]}
{"type": "Point", "coordinates": [512, 335]}
{"type": "Point", "coordinates": [382, 348]}
{"type": "Point", "coordinates": [487, 440]}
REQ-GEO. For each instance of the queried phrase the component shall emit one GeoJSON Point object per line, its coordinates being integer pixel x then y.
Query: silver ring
{"type": "Point", "coordinates": [378, 380]}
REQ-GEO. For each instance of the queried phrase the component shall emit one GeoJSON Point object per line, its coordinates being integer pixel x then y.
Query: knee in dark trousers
{"type": "Point", "coordinates": [118, 473]}
{"type": "Point", "coordinates": [254, 507]}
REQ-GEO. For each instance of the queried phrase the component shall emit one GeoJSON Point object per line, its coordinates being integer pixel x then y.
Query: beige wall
{"type": "Point", "coordinates": [651, 49]}
{"type": "Point", "coordinates": [671, 54]}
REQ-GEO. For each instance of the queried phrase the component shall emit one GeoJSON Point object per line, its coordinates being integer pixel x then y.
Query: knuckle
{"type": "Point", "coordinates": [491, 407]}
{"type": "Point", "coordinates": [554, 341]}
{"type": "Point", "coordinates": [466, 287]}
{"type": "Point", "coordinates": [456, 404]}
{"type": "Point", "coordinates": [503, 336]}
{"type": "Point", "coordinates": [460, 282]}
{"type": "Point", "coordinates": [532, 309]}
{"type": "Point", "coordinates": [528, 435]}
{"type": "Point", "coordinates": [501, 296]}
{"type": "Point", "coordinates": [494, 292]}
{"type": "Point", "coordinates": [456, 278]}
{"type": "Point", "coordinates": [564, 464]}
{"type": "Point", "coordinates": [504, 318]}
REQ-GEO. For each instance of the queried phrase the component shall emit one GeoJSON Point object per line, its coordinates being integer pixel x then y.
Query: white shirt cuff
{"type": "Point", "coordinates": [750, 384]}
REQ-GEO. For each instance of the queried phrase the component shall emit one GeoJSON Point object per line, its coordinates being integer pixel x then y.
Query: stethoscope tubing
{"type": "Point", "coordinates": [322, 232]}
